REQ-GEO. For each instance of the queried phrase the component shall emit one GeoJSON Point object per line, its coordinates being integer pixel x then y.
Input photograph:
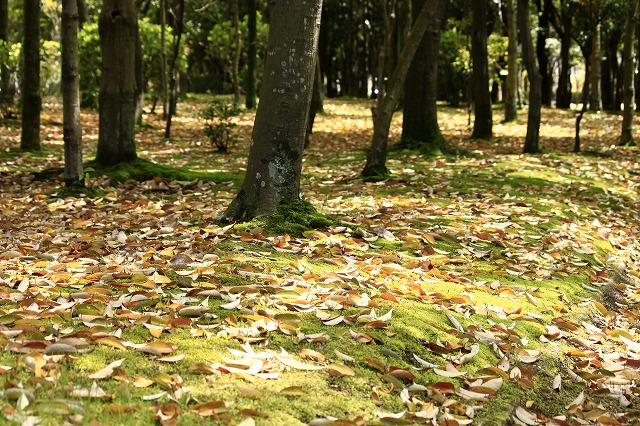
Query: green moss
{"type": "Point", "coordinates": [295, 218]}
{"type": "Point", "coordinates": [142, 170]}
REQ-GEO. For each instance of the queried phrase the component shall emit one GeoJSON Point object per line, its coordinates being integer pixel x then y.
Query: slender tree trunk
{"type": "Point", "coordinates": [235, 15]}
{"type": "Point", "coordinates": [511, 96]}
{"type": "Point", "coordinates": [420, 114]}
{"type": "Point", "coordinates": [139, 79]}
{"type": "Point", "coordinates": [586, 53]}
{"type": "Point", "coordinates": [544, 27]}
{"type": "Point", "coordinates": [387, 61]}
{"type": "Point", "coordinates": [73, 172]}
{"type": "Point", "coordinates": [250, 91]}
{"type": "Point", "coordinates": [483, 123]}
{"type": "Point", "coordinates": [595, 100]}
{"type": "Point", "coordinates": [173, 81]}
{"type": "Point", "coordinates": [629, 64]}
{"type": "Point", "coordinates": [563, 95]}
{"type": "Point", "coordinates": [163, 59]}
{"type": "Point", "coordinates": [118, 27]}
{"type": "Point", "coordinates": [316, 105]}
{"type": "Point", "coordinates": [5, 97]}
{"type": "Point", "coordinates": [377, 153]}
{"type": "Point", "coordinates": [277, 142]}
{"type": "Point", "coordinates": [83, 13]}
{"type": "Point", "coordinates": [532, 141]}
{"type": "Point", "coordinates": [31, 100]}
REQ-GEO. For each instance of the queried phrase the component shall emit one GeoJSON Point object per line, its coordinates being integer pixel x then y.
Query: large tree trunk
{"type": "Point", "coordinates": [5, 76]}
{"type": "Point", "coordinates": [237, 36]}
{"type": "Point", "coordinates": [483, 123]}
{"type": "Point", "coordinates": [511, 96]}
{"type": "Point", "coordinates": [420, 114]}
{"type": "Point", "coordinates": [532, 141]}
{"type": "Point", "coordinates": [31, 100]}
{"type": "Point", "coordinates": [629, 66]}
{"type": "Point", "coordinates": [250, 89]}
{"type": "Point", "coordinates": [377, 153]}
{"type": "Point", "coordinates": [118, 27]}
{"type": "Point", "coordinates": [277, 142]}
{"type": "Point", "coordinates": [72, 133]}
{"type": "Point", "coordinates": [595, 98]}
{"type": "Point", "coordinates": [173, 70]}
{"type": "Point", "coordinates": [563, 95]}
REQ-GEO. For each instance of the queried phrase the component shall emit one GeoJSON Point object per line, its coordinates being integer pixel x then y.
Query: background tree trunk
{"type": "Point", "coordinates": [73, 172]}
{"type": "Point", "coordinates": [595, 98]}
{"type": "Point", "coordinates": [163, 59]}
{"type": "Point", "coordinates": [235, 17]}
{"type": "Point", "coordinates": [511, 95]}
{"type": "Point", "coordinates": [532, 141]}
{"type": "Point", "coordinates": [5, 98]}
{"type": "Point", "coordinates": [173, 71]}
{"type": "Point", "coordinates": [83, 13]}
{"type": "Point", "coordinates": [377, 153]}
{"type": "Point", "coordinates": [317, 103]}
{"type": "Point", "coordinates": [387, 58]}
{"type": "Point", "coordinates": [483, 123]}
{"type": "Point", "coordinates": [420, 114]}
{"type": "Point", "coordinates": [250, 90]}
{"type": "Point", "coordinates": [277, 142]}
{"type": "Point", "coordinates": [118, 26]}
{"type": "Point", "coordinates": [31, 100]}
{"type": "Point", "coordinates": [629, 64]}
{"type": "Point", "coordinates": [140, 82]}
{"type": "Point", "coordinates": [545, 8]}
{"type": "Point", "coordinates": [563, 95]}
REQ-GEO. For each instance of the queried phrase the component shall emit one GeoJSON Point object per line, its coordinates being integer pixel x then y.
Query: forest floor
{"type": "Point", "coordinates": [486, 289]}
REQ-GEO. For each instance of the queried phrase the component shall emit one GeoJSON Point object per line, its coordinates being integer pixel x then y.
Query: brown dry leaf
{"type": "Point", "coordinates": [339, 370]}
{"type": "Point", "coordinates": [107, 371]}
{"type": "Point", "coordinates": [142, 382]}
{"type": "Point", "coordinates": [251, 392]}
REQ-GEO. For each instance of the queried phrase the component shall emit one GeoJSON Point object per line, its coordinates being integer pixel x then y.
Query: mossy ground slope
{"type": "Point", "coordinates": [488, 289]}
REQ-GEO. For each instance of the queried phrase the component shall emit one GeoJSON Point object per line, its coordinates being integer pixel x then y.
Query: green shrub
{"type": "Point", "coordinates": [219, 124]}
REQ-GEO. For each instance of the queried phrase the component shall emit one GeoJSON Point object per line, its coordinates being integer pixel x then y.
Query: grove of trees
{"type": "Point", "coordinates": [126, 56]}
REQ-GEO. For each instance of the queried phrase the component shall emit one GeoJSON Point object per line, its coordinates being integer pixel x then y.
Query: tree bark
{"type": "Point", "coordinates": [532, 140]}
{"type": "Point", "coordinates": [595, 100]}
{"type": "Point", "coordinates": [235, 17]}
{"type": "Point", "coordinates": [483, 123]}
{"type": "Point", "coordinates": [275, 157]}
{"type": "Point", "coordinates": [31, 100]}
{"type": "Point", "coordinates": [72, 129]}
{"type": "Point", "coordinates": [511, 96]}
{"type": "Point", "coordinates": [118, 27]}
{"type": "Point", "coordinates": [629, 66]}
{"type": "Point", "coordinates": [173, 71]}
{"type": "Point", "coordinates": [420, 114]}
{"type": "Point", "coordinates": [250, 90]}
{"type": "Point", "coordinates": [377, 153]}
{"type": "Point", "coordinates": [5, 86]}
